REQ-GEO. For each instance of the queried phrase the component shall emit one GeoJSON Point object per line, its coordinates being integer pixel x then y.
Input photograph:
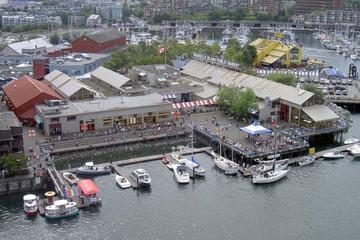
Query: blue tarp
{"type": "Point", "coordinates": [333, 72]}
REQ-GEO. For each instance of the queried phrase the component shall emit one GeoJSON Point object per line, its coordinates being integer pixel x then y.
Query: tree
{"type": "Point", "coordinates": [312, 88]}
{"type": "Point", "coordinates": [226, 96]}
{"type": "Point", "coordinates": [13, 162]}
{"type": "Point", "coordinates": [245, 101]}
{"type": "Point", "coordinates": [248, 55]}
{"type": "Point", "coordinates": [54, 39]}
{"type": "Point", "coordinates": [284, 78]}
{"type": "Point", "coordinates": [126, 12]}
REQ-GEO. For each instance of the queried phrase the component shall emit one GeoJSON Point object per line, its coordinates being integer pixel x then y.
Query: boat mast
{"type": "Point", "coordinates": [275, 142]}
{"type": "Point", "coordinates": [192, 139]}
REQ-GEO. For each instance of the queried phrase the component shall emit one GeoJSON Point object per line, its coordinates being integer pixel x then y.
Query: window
{"type": "Point", "coordinates": [56, 119]}
{"type": "Point", "coordinates": [107, 121]}
{"type": "Point", "coordinates": [163, 115]}
{"type": "Point", "coordinates": [71, 118]}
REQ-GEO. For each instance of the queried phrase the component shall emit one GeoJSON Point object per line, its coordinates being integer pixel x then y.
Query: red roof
{"type": "Point", "coordinates": [26, 88]}
{"type": "Point", "coordinates": [88, 187]}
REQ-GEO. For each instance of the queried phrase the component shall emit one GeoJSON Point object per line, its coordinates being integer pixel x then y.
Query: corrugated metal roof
{"type": "Point", "coordinates": [30, 44]}
{"type": "Point", "coordinates": [105, 36]}
{"type": "Point", "coordinates": [112, 78]}
{"type": "Point", "coordinates": [320, 113]}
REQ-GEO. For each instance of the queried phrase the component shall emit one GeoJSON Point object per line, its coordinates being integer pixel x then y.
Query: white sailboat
{"type": "Point", "coordinates": [306, 161]}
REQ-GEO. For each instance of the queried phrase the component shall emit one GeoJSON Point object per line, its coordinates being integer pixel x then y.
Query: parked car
{"type": "Point", "coordinates": [344, 81]}
{"type": "Point", "coordinates": [349, 82]}
{"type": "Point", "coordinates": [325, 91]}
{"type": "Point", "coordinates": [344, 92]}
{"type": "Point", "coordinates": [338, 92]}
{"type": "Point", "coordinates": [338, 81]}
{"type": "Point", "coordinates": [327, 81]}
{"type": "Point", "coordinates": [333, 82]}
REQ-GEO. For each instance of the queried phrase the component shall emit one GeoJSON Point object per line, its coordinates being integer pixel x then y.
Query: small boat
{"type": "Point", "coordinates": [30, 205]}
{"type": "Point", "coordinates": [270, 176]}
{"type": "Point", "coordinates": [90, 169]}
{"type": "Point", "coordinates": [192, 166]}
{"type": "Point", "coordinates": [122, 181]}
{"type": "Point", "coordinates": [351, 141]}
{"type": "Point", "coordinates": [71, 178]}
{"type": "Point", "coordinates": [141, 177]}
{"type": "Point", "coordinates": [355, 151]}
{"type": "Point", "coordinates": [353, 147]}
{"type": "Point", "coordinates": [354, 56]}
{"type": "Point", "coordinates": [306, 161]}
{"type": "Point", "coordinates": [333, 155]}
{"type": "Point", "coordinates": [229, 167]}
{"type": "Point", "coordinates": [61, 209]}
{"type": "Point", "coordinates": [167, 163]}
{"type": "Point", "coordinates": [180, 173]}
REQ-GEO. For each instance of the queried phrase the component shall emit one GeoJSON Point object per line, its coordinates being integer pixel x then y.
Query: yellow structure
{"type": "Point", "coordinates": [272, 52]}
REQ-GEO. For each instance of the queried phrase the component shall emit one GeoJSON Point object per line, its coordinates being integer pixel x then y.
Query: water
{"type": "Point", "coordinates": [315, 202]}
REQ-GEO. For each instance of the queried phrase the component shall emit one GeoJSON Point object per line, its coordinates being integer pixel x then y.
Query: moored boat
{"type": "Point", "coordinates": [90, 169]}
{"type": "Point", "coordinates": [141, 177]}
{"type": "Point", "coordinates": [270, 176]}
{"type": "Point", "coordinates": [122, 181]}
{"type": "Point", "coordinates": [351, 141]}
{"type": "Point", "coordinates": [30, 205]}
{"type": "Point", "coordinates": [306, 161]}
{"type": "Point", "coordinates": [61, 209]}
{"type": "Point", "coordinates": [181, 174]}
{"type": "Point", "coordinates": [192, 166]}
{"type": "Point", "coordinates": [89, 192]}
{"type": "Point", "coordinates": [333, 155]}
{"type": "Point", "coordinates": [70, 178]}
{"type": "Point", "coordinates": [228, 166]}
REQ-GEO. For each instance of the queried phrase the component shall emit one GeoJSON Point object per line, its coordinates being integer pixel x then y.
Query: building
{"type": "Point", "coordinates": [99, 42]}
{"type": "Point", "coordinates": [265, 6]}
{"type": "Point", "coordinates": [167, 6]}
{"type": "Point", "coordinates": [309, 6]}
{"type": "Point", "coordinates": [104, 113]}
{"type": "Point", "coordinates": [11, 133]}
{"type": "Point", "coordinates": [23, 94]}
{"type": "Point", "coordinates": [291, 104]}
{"type": "Point", "coordinates": [330, 18]}
{"type": "Point", "coordinates": [276, 53]}
{"type": "Point", "coordinates": [33, 47]}
{"type": "Point", "coordinates": [72, 65]}
{"type": "Point", "coordinates": [20, 20]}
{"type": "Point", "coordinates": [93, 20]}
{"type": "Point", "coordinates": [111, 12]}
{"type": "Point", "coordinates": [69, 88]}
{"type": "Point", "coordinates": [110, 79]}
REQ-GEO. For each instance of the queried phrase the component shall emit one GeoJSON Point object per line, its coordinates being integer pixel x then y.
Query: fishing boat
{"type": "Point", "coordinates": [270, 176]}
{"type": "Point", "coordinates": [122, 181]}
{"type": "Point", "coordinates": [90, 169]}
{"type": "Point", "coordinates": [228, 166]}
{"type": "Point", "coordinates": [30, 205]}
{"type": "Point", "coordinates": [333, 155]}
{"type": "Point", "coordinates": [306, 161]}
{"type": "Point", "coordinates": [70, 178]}
{"type": "Point", "coordinates": [141, 177]}
{"type": "Point", "coordinates": [351, 141]}
{"type": "Point", "coordinates": [61, 209]}
{"type": "Point", "coordinates": [180, 173]}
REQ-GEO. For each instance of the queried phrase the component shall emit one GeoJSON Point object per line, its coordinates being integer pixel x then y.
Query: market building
{"type": "Point", "coordinates": [103, 113]}
{"type": "Point", "coordinates": [11, 133]}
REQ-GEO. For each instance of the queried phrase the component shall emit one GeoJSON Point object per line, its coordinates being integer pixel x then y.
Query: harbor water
{"type": "Point", "coordinates": [314, 202]}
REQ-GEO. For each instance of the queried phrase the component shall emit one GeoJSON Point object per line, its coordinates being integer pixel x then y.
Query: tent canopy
{"type": "Point", "coordinates": [255, 128]}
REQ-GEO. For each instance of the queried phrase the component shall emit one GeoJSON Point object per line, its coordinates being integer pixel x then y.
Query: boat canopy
{"type": "Point", "coordinates": [89, 164]}
{"type": "Point", "coordinates": [88, 187]}
{"type": "Point", "coordinates": [255, 128]}
{"type": "Point", "coordinates": [61, 202]}
{"type": "Point", "coordinates": [29, 197]}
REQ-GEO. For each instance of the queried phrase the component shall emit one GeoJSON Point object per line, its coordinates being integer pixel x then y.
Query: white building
{"type": "Point", "coordinates": [33, 47]}
{"type": "Point", "coordinates": [93, 20]}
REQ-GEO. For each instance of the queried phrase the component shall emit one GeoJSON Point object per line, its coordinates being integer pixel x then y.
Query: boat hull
{"type": "Point", "coordinates": [262, 180]}
{"type": "Point", "coordinates": [92, 172]}
{"type": "Point", "coordinates": [306, 162]}
{"type": "Point", "coordinates": [31, 213]}
{"type": "Point", "coordinates": [56, 217]}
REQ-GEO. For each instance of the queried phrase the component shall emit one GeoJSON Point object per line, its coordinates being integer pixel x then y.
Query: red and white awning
{"type": "Point", "coordinates": [205, 102]}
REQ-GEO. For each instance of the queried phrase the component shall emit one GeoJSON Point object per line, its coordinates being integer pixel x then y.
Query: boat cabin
{"type": "Point", "coordinates": [89, 193]}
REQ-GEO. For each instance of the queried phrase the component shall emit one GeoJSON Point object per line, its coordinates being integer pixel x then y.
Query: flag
{"type": "Point", "coordinates": [162, 50]}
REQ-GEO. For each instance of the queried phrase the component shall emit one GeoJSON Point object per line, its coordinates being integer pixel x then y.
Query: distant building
{"type": "Point", "coordinates": [330, 18]}
{"type": "Point", "coordinates": [11, 133]}
{"type": "Point", "coordinates": [20, 20]}
{"type": "Point", "coordinates": [99, 42]}
{"type": "Point", "coordinates": [33, 47]}
{"type": "Point", "coordinates": [110, 78]}
{"type": "Point", "coordinates": [93, 20]}
{"type": "Point", "coordinates": [111, 10]}
{"type": "Point", "coordinates": [265, 6]}
{"type": "Point", "coordinates": [276, 53]}
{"type": "Point", "coordinates": [23, 94]}
{"type": "Point", "coordinates": [309, 6]}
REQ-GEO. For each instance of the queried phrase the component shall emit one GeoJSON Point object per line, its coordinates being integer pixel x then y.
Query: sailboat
{"type": "Point", "coordinates": [274, 174]}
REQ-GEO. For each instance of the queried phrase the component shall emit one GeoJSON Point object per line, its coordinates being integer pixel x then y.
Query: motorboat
{"type": "Point", "coordinates": [168, 163]}
{"type": "Point", "coordinates": [306, 161]}
{"type": "Point", "coordinates": [30, 205]}
{"type": "Point", "coordinates": [192, 166]}
{"type": "Point", "coordinates": [181, 174]}
{"type": "Point", "coordinates": [122, 181]}
{"type": "Point", "coordinates": [270, 176]}
{"type": "Point", "coordinates": [61, 209]}
{"type": "Point", "coordinates": [90, 169]}
{"type": "Point", "coordinates": [141, 177]}
{"type": "Point", "coordinates": [333, 155]}
{"type": "Point", "coordinates": [353, 147]}
{"type": "Point", "coordinates": [355, 152]}
{"type": "Point", "coordinates": [228, 166]}
{"type": "Point", "coordinates": [354, 56]}
{"type": "Point", "coordinates": [70, 178]}
{"type": "Point", "coordinates": [351, 141]}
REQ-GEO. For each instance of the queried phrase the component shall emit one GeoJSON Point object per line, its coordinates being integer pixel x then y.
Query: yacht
{"type": "Point", "coordinates": [192, 166]}
{"type": "Point", "coordinates": [141, 177]}
{"type": "Point", "coordinates": [228, 166]}
{"type": "Point", "coordinates": [30, 205]}
{"type": "Point", "coordinates": [61, 209]}
{"type": "Point", "coordinates": [180, 173]}
{"type": "Point", "coordinates": [90, 169]}
{"type": "Point", "coordinates": [70, 178]}
{"type": "Point", "coordinates": [333, 155]}
{"type": "Point", "coordinates": [306, 161]}
{"type": "Point", "coordinates": [122, 181]}
{"type": "Point", "coordinates": [351, 141]}
{"type": "Point", "coordinates": [270, 176]}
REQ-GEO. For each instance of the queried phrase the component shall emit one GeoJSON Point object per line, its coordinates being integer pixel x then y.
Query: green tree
{"type": "Point", "coordinates": [244, 102]}
{"type": "Point", "coordinates": [312, 88]}
{"type": "Point", "coordinates": [54, 39]}
{"type": "Point", "coordinates": [126, 12]}
{"type": "Point", "coordinates": [13, 162]}
{"type": "Point", "coordinates": [248, 55]}
{"type": "Point", "coordinates": [226, 96]}
{"type": "Point", "coordinates": [284, 78]}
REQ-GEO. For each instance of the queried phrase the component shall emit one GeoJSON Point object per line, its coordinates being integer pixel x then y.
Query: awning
{"type": "Point", "coordinates": [88, 187]}
{"type": "Point", "coordinates": [255, 128]}
{"type": "Point", "coordinates": [319, 113]}
{"type": "Point", "coordinates": [268, 60]}
{"type": "Point", "coordinates": [169, 96]}
{"type": "Point", "coordinates": [193, 104]}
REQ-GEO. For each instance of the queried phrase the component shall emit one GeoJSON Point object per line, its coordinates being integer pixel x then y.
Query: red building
{"type": "Point", "coordinates": [40, 67]}
{"type": "Point", "coordinates": [309, 6]}
{"type": "Point", "coordinates": [23, 94]}
{"type": "Point", "coordinates": [99, 42]}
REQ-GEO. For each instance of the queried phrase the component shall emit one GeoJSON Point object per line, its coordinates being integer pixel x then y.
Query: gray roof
{"type": "Point", "coordinates": [105, 36]}
{"type": "Point", "coordinates": [30, 44]}
{"type": "Point", "coordinates": [62, 61]}
{"type": "Point", "coordinates": [112, 78]}
{"type": "Point", "coordinates": [320, 113]}
{"type": "Point", "coordinates": [8, 120]}
{"type": "Point", "coordinates": [262, 87]}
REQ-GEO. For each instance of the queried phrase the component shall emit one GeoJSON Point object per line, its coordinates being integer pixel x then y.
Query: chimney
{"type": "Point", "coordinates": [14, 86]}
